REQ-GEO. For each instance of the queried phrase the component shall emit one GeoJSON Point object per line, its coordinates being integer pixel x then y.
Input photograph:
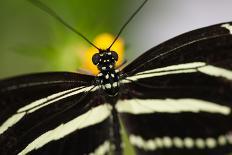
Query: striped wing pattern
{"type": "Point", "coordinates": [49, 113]}
{"type": "Point", "coordinates": [179, 95]}
{"type": "Point", "coordinates": [175, 100]}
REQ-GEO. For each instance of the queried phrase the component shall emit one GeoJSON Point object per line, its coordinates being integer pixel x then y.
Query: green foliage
{"type": "Point", "coordinates": [32, 41]}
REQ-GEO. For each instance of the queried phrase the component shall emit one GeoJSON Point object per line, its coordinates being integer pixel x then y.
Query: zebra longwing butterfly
{"type": "Point", "coordinates": [175, 99]}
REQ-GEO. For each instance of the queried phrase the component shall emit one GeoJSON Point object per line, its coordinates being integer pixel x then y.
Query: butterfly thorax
{"type": "Point", "coordinates": [108, 77]}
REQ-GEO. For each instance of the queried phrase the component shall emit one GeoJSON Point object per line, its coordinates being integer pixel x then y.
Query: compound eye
{"type": "Point", "coordinates": [96, 58]}
{"type": "Point", "coordinates": [114, 55]}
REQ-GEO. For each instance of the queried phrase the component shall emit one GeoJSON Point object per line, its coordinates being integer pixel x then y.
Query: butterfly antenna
{"type": "Point", "coordinates": [52, 13]}
{"type": "Point", "coordinates": [127, 22]}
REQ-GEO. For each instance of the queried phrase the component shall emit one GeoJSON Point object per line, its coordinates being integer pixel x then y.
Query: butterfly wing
{"type": "Point", "coordinates": [179, 98]}
{"type": "Point", "coordinates": [50, 113]}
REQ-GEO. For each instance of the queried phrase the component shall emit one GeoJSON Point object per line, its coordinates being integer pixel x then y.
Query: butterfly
{"type": "Point", "coordinates": [175, 99]}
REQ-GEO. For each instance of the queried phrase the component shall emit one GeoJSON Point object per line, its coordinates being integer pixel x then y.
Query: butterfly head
{"type": "Point", "coordinates": [105, 60]}
{"type": "Point", "coordinates": [108, 77]}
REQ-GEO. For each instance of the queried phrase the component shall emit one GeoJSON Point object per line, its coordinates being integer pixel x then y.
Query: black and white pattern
{"type": "Point", "coordinates": [53, 110]}
{"type": "Point", "coordinates": [108, 78]}
{"type": "Point", "coordinates": [175, 99]}
{"type": "Point", "coordinates": [181, 95]}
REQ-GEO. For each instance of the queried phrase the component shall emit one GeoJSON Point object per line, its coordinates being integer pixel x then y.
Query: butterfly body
{"type": "Point", "coordinates": [108, 77]}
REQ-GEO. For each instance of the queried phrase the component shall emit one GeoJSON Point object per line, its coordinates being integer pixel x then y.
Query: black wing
{"type": "Point", "coordinates": [179, 95]}
{"type": "Point", "coordinates": [52, 113]}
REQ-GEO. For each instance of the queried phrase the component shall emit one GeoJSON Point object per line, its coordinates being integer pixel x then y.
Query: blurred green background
{"type": "Point", "coordinates": [32, 41]}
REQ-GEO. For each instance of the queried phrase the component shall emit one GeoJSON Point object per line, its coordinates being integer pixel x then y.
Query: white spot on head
{"type": "Point", "coordinates": [107, 76]}
{"type": "Point", "coordinates": [228, 27]}
{"type": "Point", "coordinates": [115, 84]}
{"type": "Point", "coordinates": [112, 75]}
{"type": "Point", "coordinates": [100, 74]}
{"type": "Point", "coordinates": [103, 68]}
{"type": "Point", "coordinates": [108, 86]}
{"type": "Point", "coordinates": [108, 60]}
{"type": "Point", "coordinates": [110, 66]}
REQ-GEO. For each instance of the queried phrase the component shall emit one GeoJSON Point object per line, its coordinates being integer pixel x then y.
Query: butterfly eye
{"type": "Point", "coordinates": [96, 58]}
{"type": "Point", "coordinates": [114, 55]}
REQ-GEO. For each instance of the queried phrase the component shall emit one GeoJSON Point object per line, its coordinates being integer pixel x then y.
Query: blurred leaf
{"type": "Point", "coordinates": [40, 43]}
